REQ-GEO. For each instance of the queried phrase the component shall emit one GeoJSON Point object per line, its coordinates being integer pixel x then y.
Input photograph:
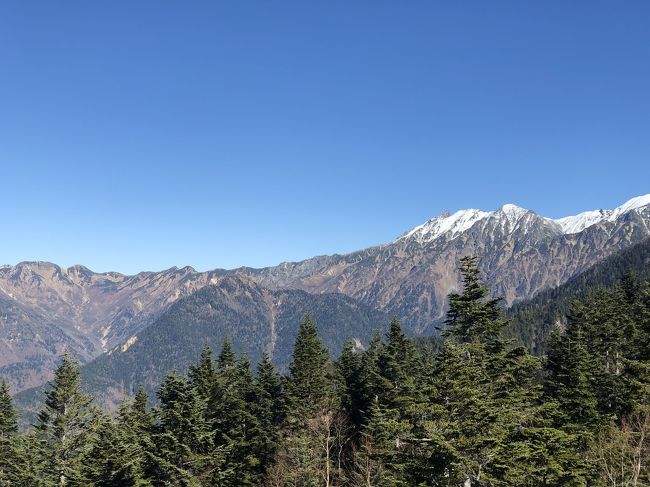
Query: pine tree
{"type": "Point", "coordinates": [238, 427]}
{"type": "Point", "coordinates": [484, 425]}
{"type": "Point", "coordinates": [204, 374]}
{"type": "Point", "coordinates": [122, 452]}
{"type": "Point", "coordinates": [398, 402]}
{"type": "Point", "coordinates": [350, 387]}
{"type": "Point", "coordinates": [472, 317]}
{"type": "Point", "coordinates": [227, 358]}
{"type": "Point", "coordinates": [185, 450]}
{"type": "Point", "coordinates": [9, 459]}
{"type": "Point", "coordinates": [309, 385]}
{"type": "Point", "coordinates": [65, 425]}
{"type": "Point", "coordinates": [266, 406]}
{"type": "Point", "coordinates": [33, 463]}
{"type": "Point", "coordinates": [306, 451]}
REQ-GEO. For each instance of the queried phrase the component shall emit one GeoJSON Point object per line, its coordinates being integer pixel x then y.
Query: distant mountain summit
{"type": "Point", "coordinates": [447, 225]}
{"type": "Point", "coordinates": [45, 308]}
{"type": "Point", "coordinates": [520, 254]}
{"type": "Point", "coordinates": [577, 223]}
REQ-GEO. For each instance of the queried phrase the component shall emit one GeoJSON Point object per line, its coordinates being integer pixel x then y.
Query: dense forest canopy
{"type": "Point", "coordinates": [475, 410]}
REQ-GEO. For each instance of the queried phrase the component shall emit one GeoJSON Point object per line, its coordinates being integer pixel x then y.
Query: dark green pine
{"type": "Point", "coordinates": [471, 316]}
{"type": "Point", "coordinates": [204, 374]}
{"type": "Point", "coordinates": [185, 449]}
{"type": "Point", "coordinates": [9, 456]}
{"type": "Point", "coordinates": [266, 405]}
{"type": "Point", "coordinates": [309, 384]}
{"type": "Point", "coordinates": [227, 358]}
{"type": "Point", "coordinates": [65, 425]}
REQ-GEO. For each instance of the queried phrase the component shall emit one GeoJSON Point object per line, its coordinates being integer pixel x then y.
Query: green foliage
{"type": "Point", "coordinates": [532, 321]}
{"type": "Point", "coordinates": [308, 387]}
{"type": "Point", "coordinates": [474, 409]}
{"type": "Point", "coordinates": [9, 455]}
{"type": "Point", "coordinates": [486, 425]}
{"type": "Point", "coordinates": [65, 426]}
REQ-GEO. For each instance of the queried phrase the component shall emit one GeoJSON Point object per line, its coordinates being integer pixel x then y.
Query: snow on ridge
{"type": "Point", "coordinates": [461, 221]}
{"type": "Point", "coordinates": [446, 224]}
{"type": "Point", "coordinates": [577, 223]}
{"type": "Point", "coordinates": [632, 204]}
{"type": "Point", "coordinates": [513, 213]}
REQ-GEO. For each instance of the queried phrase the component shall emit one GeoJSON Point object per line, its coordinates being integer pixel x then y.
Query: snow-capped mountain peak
{"type": "Point", "coordinates": [632, 204]}
{"type": "Point", "coordinates": [513, 213]}
{"type": "Point", "coordinates": [453, 225]}
{"type": "Point", "coordinates": [462, 220]}
{"type": "Point", "coordinates": [577, 223]}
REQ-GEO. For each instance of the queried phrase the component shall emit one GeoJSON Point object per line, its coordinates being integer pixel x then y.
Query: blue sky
{"type": "Point", "coordinates": [141, 135]}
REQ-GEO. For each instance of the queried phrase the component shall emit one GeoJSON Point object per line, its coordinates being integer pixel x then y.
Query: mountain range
{"type": "Point", "coordinates": [45, 309]}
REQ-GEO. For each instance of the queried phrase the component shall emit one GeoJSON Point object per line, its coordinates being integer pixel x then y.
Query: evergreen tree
{"type": "Point", "coordinates": [309, 385]}
{"type": "Point", "coordinates": [185, 453]}
{"type": "Point", "coordinates": [266, 405]}
{"type": "Point", "coordinates": [397, 401]}
{"type": "Point", "coordinates": [479, 429]}
{"type": "Point", "coordinates": [32, 463]}
{"type": "Point", "coordinates": [122, 451]}
{"type": "Point", "coordinates": [471, 317]}
{"type": "Point", "coordinates": [65, 425]}
{"type": "Point", "coordinates": [227, 358]}
{"type": "Point", "coordinates": [238, 427]}
{"type": "Point", "coordinates": [305, 458]}
{"type": "Point", "coordinates": [204, 374]}
{"type": "Point", "coordinates": [350, 387]}
{"type": "Point", "coordinates": [9, 460]}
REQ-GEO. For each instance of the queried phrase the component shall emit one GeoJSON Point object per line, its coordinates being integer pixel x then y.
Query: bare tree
{"type": "Point", "coordinates": [367, 469]}
{"type": "Point", "coordinates": [623, 454]}
{"type": "Point", "coordinates": [328, 429]}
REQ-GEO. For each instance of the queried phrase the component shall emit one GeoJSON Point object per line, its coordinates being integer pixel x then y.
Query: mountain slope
{"type": "Point", "coordinates": [256, 319]}
{"type": "Point", "coordinates": [520, 254]}
{"type": "Point", "coordinates": [45, 309]}
{"type": "Point", "coordinates": [533, 320]}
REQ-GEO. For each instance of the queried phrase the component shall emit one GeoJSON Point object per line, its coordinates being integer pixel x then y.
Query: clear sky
{"type": "Point", "coordinates": [141, 135]}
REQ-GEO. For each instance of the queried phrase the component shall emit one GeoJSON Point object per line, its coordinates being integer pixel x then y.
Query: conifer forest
{"type": "Point", "coordinates": [478, 410]}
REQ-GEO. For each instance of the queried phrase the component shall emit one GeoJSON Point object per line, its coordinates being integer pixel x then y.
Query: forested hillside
{"type": "Point", "coordinates": [533, 320]}
{"type": "Point", "coordinates": [255, 320]}
{"type": "Point", "coordinates": [480, 412]}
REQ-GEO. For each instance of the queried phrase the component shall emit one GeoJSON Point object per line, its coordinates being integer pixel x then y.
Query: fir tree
{"type": "Point", "coordinates": [227, 358]}
{"type": "Point", "coordinates": [122, 452]}
{"type": "Point", "coordinates": [9, 457]}
{"type": "Point", "coordinates": [65, 426]}
{"type": "Point", "coordinates": [185, 450]}
{"type": "Point", "coordinates": [204, 374]}
{"type": "Point", "coordinates": [486, 404]}
{"type": "Point", "coordinates": [309, 384]}
{"type": "Point", "coordinates": [266, 405]}
{"type": "Point", "coordinates": [305, 455]}
{"type": "Point", "coordinates": [472, 317]}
